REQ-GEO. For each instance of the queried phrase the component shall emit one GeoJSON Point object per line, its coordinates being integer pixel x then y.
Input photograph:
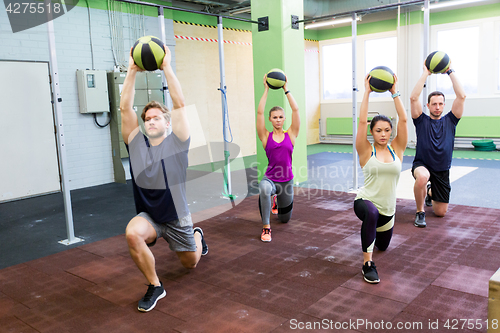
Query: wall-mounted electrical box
{"type": "Point", "coordinates": [92, 91]}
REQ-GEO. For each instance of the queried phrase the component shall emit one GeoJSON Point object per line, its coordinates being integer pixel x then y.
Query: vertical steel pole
{"type": "Point", "coordinates": [57, 100]}
{"type": "Point", "coordinates": [227, 168]}
{"type": "Point", "coordinates": [426, 51]}
{"type": "Point", "coordinates": [166, 94]}
{"type": "Point", "coordinates": [354, 106]}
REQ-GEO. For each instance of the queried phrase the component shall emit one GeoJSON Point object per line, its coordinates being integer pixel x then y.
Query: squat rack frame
{"type": "Point", "coordinates": [57, 100]}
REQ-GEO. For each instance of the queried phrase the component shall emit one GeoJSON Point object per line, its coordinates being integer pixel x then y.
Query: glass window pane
{"type": "Point", "coordinates": [381, 52]}
{"type": "Point", "coordinates": [462, 47]}
{"type": "Point", "coordinates": [337, 71]}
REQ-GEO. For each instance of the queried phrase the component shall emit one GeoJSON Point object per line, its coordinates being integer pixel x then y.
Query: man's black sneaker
{"type": "Point", "coordinates": [154, 293]}
{"type": "Point", "coordinates": [428, 198]}
{"type": "Point", "coordinates": [370, 272]}
{"type": "Point", "coordinates": [204, 247]}
{"type": "Point", "coordinates": [420, 220]}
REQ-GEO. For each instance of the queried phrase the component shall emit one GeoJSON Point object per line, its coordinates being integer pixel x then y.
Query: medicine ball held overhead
{"type": "Point", "coordinates": [148, 53]}
{"type": "Point", "coordinates": [276, 78]}
{"type": "Point", "coordinates": [437, 62]}
{"type": "Point", "coordinates": [382, 79]}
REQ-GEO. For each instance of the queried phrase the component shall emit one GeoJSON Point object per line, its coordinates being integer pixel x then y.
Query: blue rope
{"type": "Point", "coordinates": [225, 115]}
{"type": "Point", "coordinates": [226, 153]}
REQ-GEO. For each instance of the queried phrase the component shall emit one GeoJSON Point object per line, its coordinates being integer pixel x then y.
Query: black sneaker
{"type": "Point", "coordinates": [420, 220]}
{"type": "Point", "coordinates": [370, 272]}
{"type": "Point", "coordinates": [204, 247]}
{"type": "Point", "coordinates": [428, 198]}
{"type": "Point", "coordinates": [154, 293]}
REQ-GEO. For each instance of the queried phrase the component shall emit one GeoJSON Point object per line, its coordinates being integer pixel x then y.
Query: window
{"type": "Point", "coordinates": [337, 71]}
{"type": "Point", "coordinates": [462, 47]}
{"type": "Point", "coordinates": [381, 52]}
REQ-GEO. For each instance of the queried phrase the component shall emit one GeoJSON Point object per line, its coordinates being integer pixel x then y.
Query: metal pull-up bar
{"type": "Point", "coordinates": [186, 10]}
{"type": "Point", "coordinates": [359, 11]}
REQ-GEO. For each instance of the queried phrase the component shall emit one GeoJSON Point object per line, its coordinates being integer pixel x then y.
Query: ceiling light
{"type": "Point", "coordinates": [450, 3]}
{"type": "Point", "coordinates": [331, 22]}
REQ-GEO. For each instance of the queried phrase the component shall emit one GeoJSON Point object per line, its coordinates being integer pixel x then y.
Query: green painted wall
{"type": "Point", "coordinates": [280, 47]}
{"type": "Point", "coordinates": [472, 127]}
{"type": "Point", "coordinates": [311, 34]}
{"type": "Point", "coordinates": [342, 126]}
{"type": "Point", "coordinates": [479, 127]}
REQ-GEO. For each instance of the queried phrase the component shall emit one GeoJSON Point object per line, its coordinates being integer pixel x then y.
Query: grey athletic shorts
{"type": "Point", "coordinates": [178, 233]}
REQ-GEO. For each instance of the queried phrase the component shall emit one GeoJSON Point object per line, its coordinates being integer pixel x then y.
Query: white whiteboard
{"type": "Point", "coordinates": [28, 151]}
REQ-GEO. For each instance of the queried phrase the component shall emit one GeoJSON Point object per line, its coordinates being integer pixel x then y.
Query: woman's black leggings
{"type": "Point", "coordinates": [376, 229]}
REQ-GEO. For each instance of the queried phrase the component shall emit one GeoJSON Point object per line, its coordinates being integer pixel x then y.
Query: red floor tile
{"type": "Point", "coordinates": [310, 272]}
{"type": "Point", "coordinates": [231, 317]}
{"type": "Point", "coordinates": [346, 305]}
{"type": "Point", "coordinates": [191, 299]}
{"type": "Point", "coordinates": [104, 269]}
{"type": "Point", "coordinates": [318, 273]}
{"type": "Point", "coordinates": [446, 304]}
{"type": "Point", "coordinates": [125, 290]}
{"type": "Point", "coordinates": [9, 307]}
{"type": "Point", "coordinates": [466, 279]}
{"type": "Point", "coordinates": [401, 287]}
{"type": "Point", "coordinates": [280, 297]}
{"type": "Point", "coordinates": [108, 247]}
{"type": "Point", "coordinates": [13, 324]}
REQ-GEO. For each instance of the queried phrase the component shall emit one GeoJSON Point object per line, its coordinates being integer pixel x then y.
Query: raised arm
{"type": "Point", "coordinates": [293, 130]}
{"type": "Point", "coordinates": [458, 104]}
{"type": "Point", "coordinates": [262, 132]}
{"type": "Point", "coordinates": [129, 117]}
{"type": "Point", "coordinates": [415, 103]}
{"type": "Point", "coordinates": [180, 123]}
{"type": "Point", "coordinates": [401, 139]}
{"type": "Point", "coordinates": [363, 146]}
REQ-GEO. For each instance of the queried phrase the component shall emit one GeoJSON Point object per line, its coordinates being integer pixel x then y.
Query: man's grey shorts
{"type": "Point", "coordinates": [177, 233]}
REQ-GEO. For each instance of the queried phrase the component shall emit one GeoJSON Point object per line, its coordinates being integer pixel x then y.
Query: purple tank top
{"type": "Point", "coordinates": [279, 155]}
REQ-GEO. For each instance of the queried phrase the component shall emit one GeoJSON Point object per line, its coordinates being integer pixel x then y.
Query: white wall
{"type": "Point", "coordinates": [88, 147]}
{"type": "Point", "coordinates": [313, 111]}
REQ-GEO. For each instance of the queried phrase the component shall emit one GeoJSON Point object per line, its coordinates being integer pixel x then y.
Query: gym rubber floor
{"type": "Point", "coordinates": [307, 279]}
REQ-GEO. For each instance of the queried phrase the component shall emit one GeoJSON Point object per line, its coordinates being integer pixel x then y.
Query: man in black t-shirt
{"type": "Point", "coordinates": [435, 140]}
{"type": "Point", "coordinates": [158, 164]}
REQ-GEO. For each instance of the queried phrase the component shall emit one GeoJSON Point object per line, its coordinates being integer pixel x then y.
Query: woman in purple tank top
{"type": "Point", "coordinates": [276, 187]}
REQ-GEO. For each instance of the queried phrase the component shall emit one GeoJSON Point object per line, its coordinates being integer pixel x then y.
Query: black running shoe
{"type": "Point", "coordinates": [370, 272]}
{"type": "Point", "coordinates": [420, 220]}
{"type": "Point", "coordinates": [204, 247]}
{"type": "Point", "coordinates": [154, 293]}
{"type": "Point", "coordinates": [428, 198]}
